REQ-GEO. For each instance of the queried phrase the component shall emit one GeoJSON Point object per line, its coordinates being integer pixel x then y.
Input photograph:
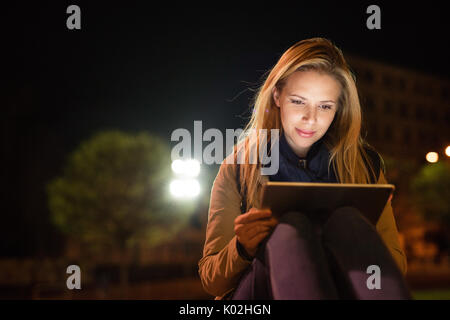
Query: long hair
{"type": "Point", "coordinates": [343, 138]}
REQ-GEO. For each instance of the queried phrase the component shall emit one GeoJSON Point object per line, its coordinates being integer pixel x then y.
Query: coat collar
{"type": "Point", "coordinates": [312, 168]}
{"type": "Point", "coordinates": [289, 154]}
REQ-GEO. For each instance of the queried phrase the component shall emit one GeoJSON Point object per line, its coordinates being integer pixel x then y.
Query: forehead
{"type": "Point", "coordinates": [313, 85]}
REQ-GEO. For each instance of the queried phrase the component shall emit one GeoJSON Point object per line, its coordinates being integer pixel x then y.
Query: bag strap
{"type": "Point", "coordinates": [244, 195]}
{"type": "Point", "coordinates": [377, 163]}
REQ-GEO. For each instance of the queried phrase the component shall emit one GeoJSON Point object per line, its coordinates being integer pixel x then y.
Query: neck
{"type": "Point", "coordinates": [300, 152]}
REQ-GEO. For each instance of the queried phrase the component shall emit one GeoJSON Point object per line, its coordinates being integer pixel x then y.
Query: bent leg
{"type": "Point", "coordinates": [297, 264]}
{"type": "Point", "coordinates": [353, 244]}
{"type": "Point", "coordinates": [254, 283]}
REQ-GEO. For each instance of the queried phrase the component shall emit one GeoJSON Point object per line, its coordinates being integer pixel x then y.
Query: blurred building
{"type": "Point", "coordinates": [406, 113]}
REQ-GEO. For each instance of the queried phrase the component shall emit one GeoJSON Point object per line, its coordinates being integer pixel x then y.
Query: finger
{"type": "Point", "coordinates": [250, 229]}
{"type": "Point", "coordinates": [255, 224]}
{"type": "Point", "coordinates": [272, 222]}
{"type": "Point", "coordinates": [248, 233]}
{"type": "Point", "coordinates": [253, 215]}
{"type": "Point", "coordinates": [269, 222]}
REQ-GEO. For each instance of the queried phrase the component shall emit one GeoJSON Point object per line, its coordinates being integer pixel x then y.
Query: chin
{"type": "Point", "coordinates": [303, 145]}
{"type": "Point", "coordinates": [300, 142]}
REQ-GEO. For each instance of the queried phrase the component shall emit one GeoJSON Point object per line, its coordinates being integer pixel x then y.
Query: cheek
{"type": "Point", "coordinates": [289, 116]}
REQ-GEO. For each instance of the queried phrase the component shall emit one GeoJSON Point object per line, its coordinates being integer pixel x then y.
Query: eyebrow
{"type": "Point", "coordinates": [296, 95]}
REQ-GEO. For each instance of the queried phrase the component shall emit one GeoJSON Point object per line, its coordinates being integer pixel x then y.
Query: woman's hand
{"type": "Point", "coordinates": [252, 227]}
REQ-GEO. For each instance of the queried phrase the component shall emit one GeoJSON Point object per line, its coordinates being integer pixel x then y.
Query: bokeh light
{"type": "Point", "coordinates": [185, 188]}
{"type": "Point", "coordinates": [188, 168]}
{"type": "Point", "coordinates": [432, 157]}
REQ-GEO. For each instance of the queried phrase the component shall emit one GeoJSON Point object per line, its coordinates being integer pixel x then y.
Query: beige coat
{"type": "Point", "coordinates": [221, 265]}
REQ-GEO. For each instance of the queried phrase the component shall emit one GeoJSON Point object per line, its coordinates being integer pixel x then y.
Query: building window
{"type": "Point", "coordinates": [401, 84]}
{"type": "Point", "coordinates": [418, 89]}
{"type": "Point", "coordinates": [388, 107]}
{"type": "Point", "coordinates": [388, 132]}
{"type": "Point", "coordinates": [422, 136]}
{"type": "Point", "coordinates": [445, 93]}
{"type": "Point", "coordinates": [428, 90]}
{"type": "Point", "coordinates": [433, 116]}
{"type": "Point", "coordinates": [403, 110]}
{"type": "Point", "coordinates": [419, 112]}
{"type": "Point", "coordinates": [387, 81]}
{"type": "Point", "coordinates": [406, 136]}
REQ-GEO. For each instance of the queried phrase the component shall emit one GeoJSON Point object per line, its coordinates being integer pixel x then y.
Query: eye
{"type": "Point", "coordinates": [297, 101]}
{"type": "Point", "coordinates": [325, 106]}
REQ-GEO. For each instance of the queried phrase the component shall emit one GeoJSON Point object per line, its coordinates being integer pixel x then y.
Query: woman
{"type": "Point", "coordinates": [311, 97]}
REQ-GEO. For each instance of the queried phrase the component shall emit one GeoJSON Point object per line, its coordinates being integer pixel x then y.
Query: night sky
{"type": "Point", "coordinates": [136, 66]}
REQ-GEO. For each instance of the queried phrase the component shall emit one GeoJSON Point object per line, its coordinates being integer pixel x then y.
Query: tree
{"type": "Point", "coordinates": [114, 191]}
{"type": "Point", "coordinates": [431, 192]}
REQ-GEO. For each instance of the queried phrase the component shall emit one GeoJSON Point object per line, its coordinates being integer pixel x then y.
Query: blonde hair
{"type": "Point", "coordinates": [342, 138]}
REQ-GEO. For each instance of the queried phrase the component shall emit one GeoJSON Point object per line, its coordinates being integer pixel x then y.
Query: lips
{"type": "Point", "coordinates": [305, 133]}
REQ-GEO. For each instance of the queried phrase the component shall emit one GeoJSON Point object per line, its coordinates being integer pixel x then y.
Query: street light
{"type": "Point", "coordinates": [447, 151]}
{"type": "Point", "coordinates": [432, 157]}
{"type": "Point", "coordinates": [188, 168]}
{"type": "Point", "coordinates": [185, 186]}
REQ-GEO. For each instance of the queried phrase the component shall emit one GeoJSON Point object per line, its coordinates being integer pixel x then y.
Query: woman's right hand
{"type": "Point", "coordinates": [252, 227]}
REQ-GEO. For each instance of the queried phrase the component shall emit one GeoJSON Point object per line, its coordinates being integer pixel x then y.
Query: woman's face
{"type": "Point", "coordinates": [307, 103]}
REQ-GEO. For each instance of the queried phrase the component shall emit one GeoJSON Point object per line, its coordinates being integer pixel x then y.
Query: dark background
{"type": "Point", "coordinates": [158, 67]}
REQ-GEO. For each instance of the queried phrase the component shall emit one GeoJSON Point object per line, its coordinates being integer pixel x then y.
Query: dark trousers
{"type": "Point", "coordinates": [307, 257]}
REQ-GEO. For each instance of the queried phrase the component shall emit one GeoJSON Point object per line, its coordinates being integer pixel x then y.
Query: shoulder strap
{"type": "Point", "coordinates": [244, 195]}
{"type": "Point", "coordinates": [377, 163]}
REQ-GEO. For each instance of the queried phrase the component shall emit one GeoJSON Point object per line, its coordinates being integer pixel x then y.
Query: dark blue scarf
{"type": "Point", "coordinates": [312, 168]}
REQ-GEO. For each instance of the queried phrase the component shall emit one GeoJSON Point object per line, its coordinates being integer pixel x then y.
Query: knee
{"type": "Point", "coordinates": [348, 220]}
{"type": "Point", "coordinates": [292, 224]}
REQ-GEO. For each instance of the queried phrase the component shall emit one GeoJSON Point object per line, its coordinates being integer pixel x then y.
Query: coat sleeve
{"type": "Point", "coordinates": [387, 229]}
{"type": "Point", "coordinates": [221, 265]}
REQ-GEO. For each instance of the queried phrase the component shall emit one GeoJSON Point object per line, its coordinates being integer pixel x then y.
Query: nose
{"type": "Point", "coordinates": [310, 114]}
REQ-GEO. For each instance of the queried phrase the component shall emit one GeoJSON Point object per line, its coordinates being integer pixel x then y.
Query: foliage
{"type": "Point", "coordinates": [114, 191]}
{"type": "Point", "coordinates": [431, 191]}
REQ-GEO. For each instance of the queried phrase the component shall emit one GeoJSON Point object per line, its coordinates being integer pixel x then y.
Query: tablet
{"type": "Point", "coordinates": [321, 199]}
